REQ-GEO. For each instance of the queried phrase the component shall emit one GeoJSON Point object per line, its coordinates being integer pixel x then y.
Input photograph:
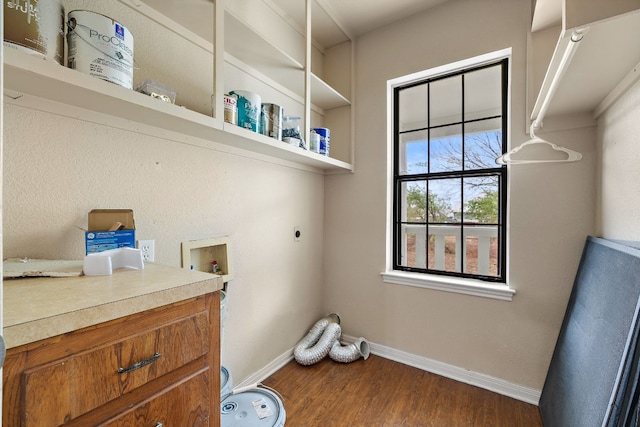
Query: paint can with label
{"type": "Point", "coordinates": [271, 118]}
{"type": "Point", "coordinates": [35, 27]}
{"type": "Point", "coordinates": [325, 136]}
{"type": "Point", "coordinates": [231, 109]}
{"type": "Point", "coordinates": [249, 107]}
{"type": "Point", "coordinates": [101, 47]}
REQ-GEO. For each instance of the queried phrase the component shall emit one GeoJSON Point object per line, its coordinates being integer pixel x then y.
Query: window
{"type": "Point", "coordinates": [448, 205]}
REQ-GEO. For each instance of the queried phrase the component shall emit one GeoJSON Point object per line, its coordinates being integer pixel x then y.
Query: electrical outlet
{"type": "Point", "coordinates": [297, 234]}
{"type": "Point", "coordinates": [147, 247]}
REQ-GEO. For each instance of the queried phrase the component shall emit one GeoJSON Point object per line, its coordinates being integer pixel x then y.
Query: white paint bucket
{"type": "Point", "coordinates": [100, 47]}
{"type": "Point", "coordinates": [258, 407]}
{"type": "Point", "coordinates": [35, 27]}
{"type": "Point", "coordinates": [226, 383]}
{"type": "Point", "coordinates": [249, 107]}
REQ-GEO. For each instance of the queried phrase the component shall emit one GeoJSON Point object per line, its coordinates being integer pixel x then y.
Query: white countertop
{"type": "Point", "coordinates": [38, 308]}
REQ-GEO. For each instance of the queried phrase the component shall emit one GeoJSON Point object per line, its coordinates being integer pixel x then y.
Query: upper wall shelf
{"type": "Point", "coordinates": [27, 78]}
{"type": "Point", "coordinates": [603, 65]}
{"type": "Point", "coordinates": [27, 75]}
{"type": "Point", "coordinates": [238, 45]}
{"type": "Point", "coordinates": [245, 44]}
{"type": "Point", "coordinates": [268, 48]}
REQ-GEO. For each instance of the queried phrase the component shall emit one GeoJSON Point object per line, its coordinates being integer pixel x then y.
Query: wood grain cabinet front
{"type": "Point", "coordinates": [162, 364]}
{"type": "Point", "coordinates": [184, 404]}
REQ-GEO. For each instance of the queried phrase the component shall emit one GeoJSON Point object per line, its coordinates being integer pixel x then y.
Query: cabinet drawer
{"type": "Point", "coordinates": [185, 404]}
{"type": "Point", "coordinates": [64, 389]}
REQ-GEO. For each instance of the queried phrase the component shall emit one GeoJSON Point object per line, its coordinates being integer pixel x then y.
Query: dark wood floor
{"type": "Point", "coordinates": [380, 392]}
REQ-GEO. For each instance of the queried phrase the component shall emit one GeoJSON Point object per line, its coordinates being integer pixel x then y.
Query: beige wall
{"type": "Point", "coordinates": [619, 174]}
{"type": "Point", "coordinates": [550, 212]}
{"type": "Point", "coordinates": [56, 169]}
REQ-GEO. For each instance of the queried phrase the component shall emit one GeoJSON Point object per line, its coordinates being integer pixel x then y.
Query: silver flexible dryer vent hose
{"type": "Point", "coordinates": [349, 352]}
{"type": "Point", "coordinates": [324, 339]}
{"type": "Point", "coordinates": [317, 343]}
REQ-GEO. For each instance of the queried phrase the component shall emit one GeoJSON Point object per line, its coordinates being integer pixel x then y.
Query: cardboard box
{"type": "Point", "coordinates": [110, 229]}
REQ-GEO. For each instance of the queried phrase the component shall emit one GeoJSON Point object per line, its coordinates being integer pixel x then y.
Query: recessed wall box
{"type": "Point", "coordinates": [199, 255]}
{"type": "Point", "coordinates": [110, 229]}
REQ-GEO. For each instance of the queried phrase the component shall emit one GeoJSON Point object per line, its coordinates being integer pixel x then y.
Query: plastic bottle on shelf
{"type": "Point", "coordinates": [291, 131]}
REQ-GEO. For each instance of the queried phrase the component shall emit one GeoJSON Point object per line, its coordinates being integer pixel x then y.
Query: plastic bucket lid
{"type": "Point", "coordinates": [252, 408]}
{"type": "Point", "coordinates": [226, 382]}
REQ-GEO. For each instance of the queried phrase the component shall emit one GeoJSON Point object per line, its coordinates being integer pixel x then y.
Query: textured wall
{"type": "Point", "coordinates": [619, 148]}
{"type": "Point", "coordinates": [58, 167]}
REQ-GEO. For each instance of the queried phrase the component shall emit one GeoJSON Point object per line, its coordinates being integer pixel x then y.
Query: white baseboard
{"type": "Point", "coordinates": [267, 371]}
{"type": "Point", "coordinates": [497, 385]}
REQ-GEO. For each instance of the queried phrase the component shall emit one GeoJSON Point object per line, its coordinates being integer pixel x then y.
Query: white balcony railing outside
{"type": "Point", "coordinates": [440, 233]}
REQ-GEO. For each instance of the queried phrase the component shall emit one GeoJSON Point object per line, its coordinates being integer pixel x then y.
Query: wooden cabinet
{"type": "Point", "coordinates": [160, 366]}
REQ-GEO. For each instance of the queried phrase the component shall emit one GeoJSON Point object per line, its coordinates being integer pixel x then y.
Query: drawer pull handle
{"type": "Point", "coordinates": [159, 425]}
{"type": "Point", "coordinates": [139, 364]}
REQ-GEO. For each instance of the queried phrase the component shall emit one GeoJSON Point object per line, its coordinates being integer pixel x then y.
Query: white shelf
{"type": "Point", "coordinates": [605, 61]}
{"type": "Point", "coordinates": [243, 138]}
{"type": "Point", "coordinates": [31, 77]}
{"type": "Point", "coordinates": [244, 44]}
{"type": "Point", "coordinates": [324, 96]}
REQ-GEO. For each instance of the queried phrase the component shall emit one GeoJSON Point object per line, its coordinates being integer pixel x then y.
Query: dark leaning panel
{"type": "Point", "coordinates": [593, 375]}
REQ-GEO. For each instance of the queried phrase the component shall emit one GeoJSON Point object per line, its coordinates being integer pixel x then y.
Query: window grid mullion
{"type": "Point", "coordinates": [481, 119]}
{"type": "Point", "coordinates": [503, 184]}
{"type": "Point", "coordinates": [427, 182]}
{"type": "Point", "coordinates": [463, 241]}
{"type": "Point", "coordinates": [397, 238]}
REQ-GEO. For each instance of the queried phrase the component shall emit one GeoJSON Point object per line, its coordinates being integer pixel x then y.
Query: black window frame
{"type": "Point", "coordinates": [500, 171]}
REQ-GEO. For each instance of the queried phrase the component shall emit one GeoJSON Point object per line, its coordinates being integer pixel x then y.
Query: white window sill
{"type": "Point", "coordinates": [450, 284]}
